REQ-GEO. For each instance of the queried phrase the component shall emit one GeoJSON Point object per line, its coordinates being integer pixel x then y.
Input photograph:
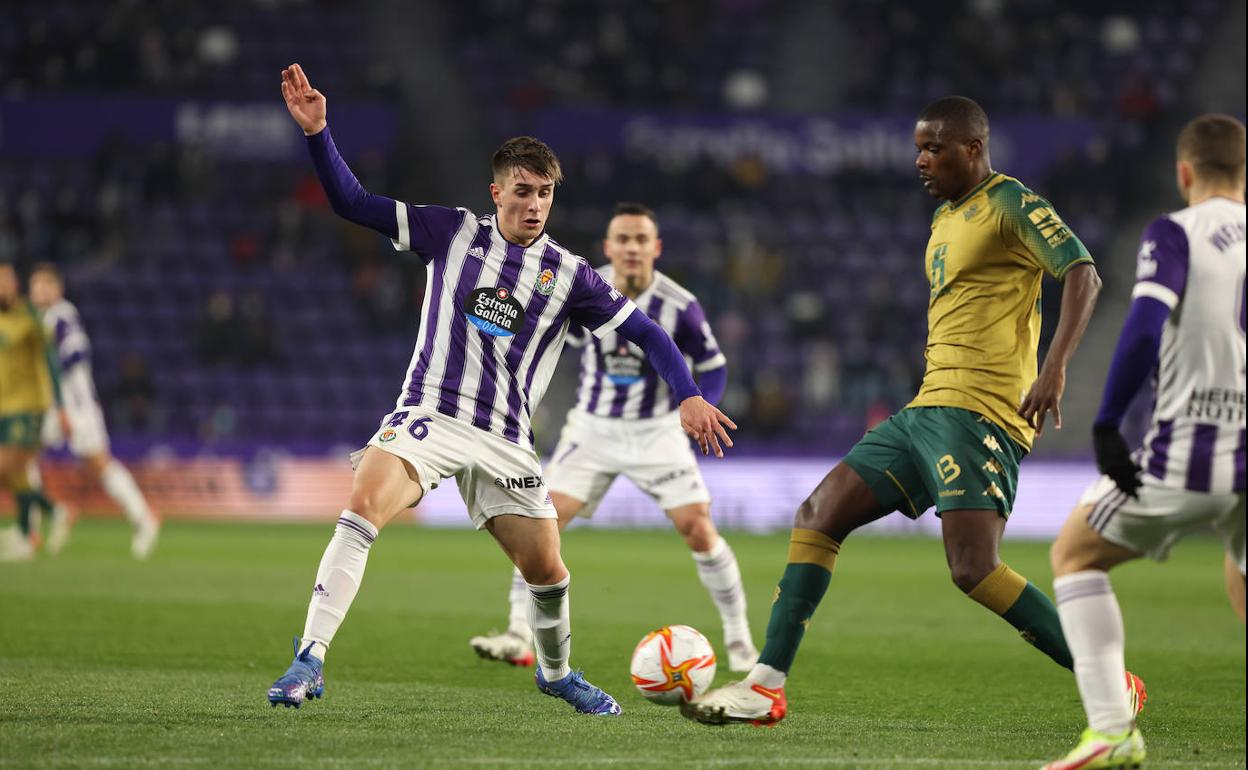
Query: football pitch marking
{"type": "Point", "coordinates": [598, 761]}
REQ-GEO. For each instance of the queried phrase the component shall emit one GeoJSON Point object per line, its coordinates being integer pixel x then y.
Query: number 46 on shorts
{"type": "Point", "coordinates": [417, 429]}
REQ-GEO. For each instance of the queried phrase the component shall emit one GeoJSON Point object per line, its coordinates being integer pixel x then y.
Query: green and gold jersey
{"type": "Point", "coordinates": [985, 261]}
{"type": "Point", "coordinates": [26, 377]}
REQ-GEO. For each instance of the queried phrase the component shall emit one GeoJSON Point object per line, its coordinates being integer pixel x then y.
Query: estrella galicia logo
{"type": "Point", "coordinates": [622, 365]}
{"type": "Point", "coordinates": [522, 482]}
{"type": "Point", "coordinates": [494, 311]}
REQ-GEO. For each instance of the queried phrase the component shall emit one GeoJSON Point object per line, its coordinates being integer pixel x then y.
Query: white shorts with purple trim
{"type": "Point", "coordinates": [1164, 515]}
{"type": "Point", "coordinates": [655, 454]}
{"type": "Point", "coordinates": [495, 476]}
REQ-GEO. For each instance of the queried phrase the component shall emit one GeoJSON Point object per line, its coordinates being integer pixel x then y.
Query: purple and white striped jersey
{"type": "Point", "coordinates": [73, 349]}
{"type": "Point", "coordinates": [616, 378]}
{"type": "Point", "coordinates": [494, 317]}
{"type": "Point", "coordinates": [1193, 261]}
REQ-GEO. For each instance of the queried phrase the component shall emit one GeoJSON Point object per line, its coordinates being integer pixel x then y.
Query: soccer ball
{"type": "Point", "coordinates": [673, 664]}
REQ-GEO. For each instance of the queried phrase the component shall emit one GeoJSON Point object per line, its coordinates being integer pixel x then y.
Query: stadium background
{"type": "Point", "coordinates": [245, 338]}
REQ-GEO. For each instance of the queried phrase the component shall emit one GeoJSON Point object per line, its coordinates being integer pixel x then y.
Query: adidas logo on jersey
{"type": "Point", "coordinates": [477, 252]}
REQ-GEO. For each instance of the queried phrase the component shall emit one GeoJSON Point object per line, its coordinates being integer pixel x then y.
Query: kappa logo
{"type": "Point", "coordinates": [477, 252]}
{"type": "Point", "coordinates": [994, 491]}
{"type": "Point", "coordinates": [521, 482]}
{"type": "Point", "coordinates": [992, 466]}
{"type": "Point", "coordinates": [992, 443]}
{"type": "Point", "coordinates": [1028, 199]}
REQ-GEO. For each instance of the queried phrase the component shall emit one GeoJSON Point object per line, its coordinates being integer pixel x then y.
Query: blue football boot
{"type": "Point", "coordinates": [301, 681]}
{"type": "Point", "coordinates": [581, 695]}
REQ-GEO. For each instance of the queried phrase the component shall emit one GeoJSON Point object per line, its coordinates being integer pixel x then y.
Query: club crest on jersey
{"type": "Point", "coordinates": [388, 435]}
{"type": "Point", "coordinates": [545, 283]}
{"type": "Point", "coordinates": [494, 311]}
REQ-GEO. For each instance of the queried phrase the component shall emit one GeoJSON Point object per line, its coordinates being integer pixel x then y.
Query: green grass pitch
{"type": "Point", "coordinates": [108, 663]}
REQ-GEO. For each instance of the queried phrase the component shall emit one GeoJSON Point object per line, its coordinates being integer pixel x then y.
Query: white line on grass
{"type": "Point", "coordinates": [565, 761]}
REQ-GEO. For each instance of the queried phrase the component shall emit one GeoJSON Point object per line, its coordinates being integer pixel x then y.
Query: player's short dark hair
{"type": "Point", "coordinates": [529, 154]}
{"type": "Point", "coordinates": [48, 268]}
{"type": "Point", "coordinates": [1214, 145]}
{"type": "Point", "coordinates": [630, 209]}
{"type": "Point", "coordinates": [962, 115]}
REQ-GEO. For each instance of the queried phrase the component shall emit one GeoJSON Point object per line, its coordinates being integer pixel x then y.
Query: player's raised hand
{"type": "Point", "coordinates": [306, 104]}
{"type": "Point", "coordinates": [1045, 396]}
{"type": "Point", "coordinates": [706, 425]}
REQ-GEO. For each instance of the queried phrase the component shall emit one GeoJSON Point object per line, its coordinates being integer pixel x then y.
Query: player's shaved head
{"type": "Point", "coordinates": [628, 209]}
{"type": "Point", "coordinates": [530, 154]}
{"type": "Point", "coordinates": [961, 117]}
{"type": "Point", "coordinates": [1214, 146]}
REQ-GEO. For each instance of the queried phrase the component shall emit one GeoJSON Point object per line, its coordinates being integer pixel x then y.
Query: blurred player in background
{"type": "Point", "coordinates": [958, 444]}
{"type": "Point", "coordinates": [625, 422]}
{"type": "Point", "coordinates": [499, 300]}
{"type": "Point", "coordinates": [1185, 326]}
{"type": "Point", "coordinates": [29, 386]}
{"type": "Point", "coordinates": [88, 437]}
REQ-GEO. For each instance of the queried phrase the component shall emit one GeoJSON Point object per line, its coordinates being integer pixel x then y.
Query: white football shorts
{"type": "Point", "coordinates": [495, 476]}
{"type": "Point", "coordinates": [1164, 515]}
{"type": "Point", "coordinates": [655, 454]}
{"type": "Point", "coordinates": [88, 434]}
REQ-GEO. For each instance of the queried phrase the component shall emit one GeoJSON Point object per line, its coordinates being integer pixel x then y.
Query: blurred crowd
{"type": "Point", "coordinates": [226, 302]}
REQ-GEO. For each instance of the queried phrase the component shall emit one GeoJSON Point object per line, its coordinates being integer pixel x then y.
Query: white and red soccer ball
{"type": "Point", "coordinates": [673, 664]}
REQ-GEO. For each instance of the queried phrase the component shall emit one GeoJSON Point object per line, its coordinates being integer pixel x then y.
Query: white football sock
{"type": "Point", "coordinates": [718, 571]}
{"type": "Point", "coordinates": [518, 597]}
{"type": "Point", "coordinates": [338, 579]}
{"type": "Point", "coordinates": [772, 679]}
{"type": "Point", "coordinates": [552, 628]}
{"type": "Point", "coordinates": [120, 486]}
{"type": "Point", "coordinates": [1092, 623]}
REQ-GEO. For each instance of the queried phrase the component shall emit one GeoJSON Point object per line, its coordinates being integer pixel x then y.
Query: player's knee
{"type": "Point", "coordinates": [367, 504]}
{"type": "Point", "coordinates": [542, 570]}
{"type": "Point", "coordinates": [968, 573]}
{"type": "Point", "coordinates": [698, 531]}
{"type": "Point", "coordinates": [817, 512]}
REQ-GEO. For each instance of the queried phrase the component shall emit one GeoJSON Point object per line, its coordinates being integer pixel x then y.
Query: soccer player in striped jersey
{"type": "Point", "coordinates": [957, 445]}
{"type": "Point", "coordinates": [88, 436]}
{"type": "Point", "coordinates": [1185, 330]}
{"type": "Point", "coordinates": [499, 298]}
{"type": "Point", "coordinates": [625, 422]}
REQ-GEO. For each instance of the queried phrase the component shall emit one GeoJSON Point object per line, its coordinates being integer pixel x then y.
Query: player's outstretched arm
{"type": "Point", "coordinates": [1080, 288]}
{"type": "Point", "coordinates": [346, 195]}
{"type": "Point", "coordinates": [705, 423]}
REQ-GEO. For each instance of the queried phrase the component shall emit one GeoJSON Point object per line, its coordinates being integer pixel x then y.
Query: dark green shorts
{"type": "Point", "coordinates": [952, 458]}
{"type": "Point", "coordinates": [21, 429]}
